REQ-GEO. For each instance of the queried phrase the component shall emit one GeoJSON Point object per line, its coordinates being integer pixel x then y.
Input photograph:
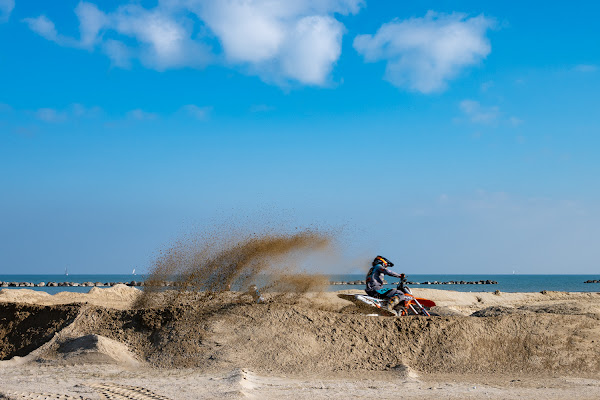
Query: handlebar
{"type": "Point", "coordinates": [401, 283]}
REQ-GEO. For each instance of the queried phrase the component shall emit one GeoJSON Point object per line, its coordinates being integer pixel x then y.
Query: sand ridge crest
{"type": "Point", "coordinates": [119, 296]}
{"type": "Point", "coordinates": [318, 333]}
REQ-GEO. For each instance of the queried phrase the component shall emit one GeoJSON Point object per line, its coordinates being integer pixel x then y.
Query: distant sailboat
{"type": "Point", "coordinates": [133, 272]}
{"type": "Point", "coordinates": [66, 271]}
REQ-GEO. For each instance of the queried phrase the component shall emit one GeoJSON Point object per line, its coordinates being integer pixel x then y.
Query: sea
{"type": "Point", "coordinates": [506, 283]}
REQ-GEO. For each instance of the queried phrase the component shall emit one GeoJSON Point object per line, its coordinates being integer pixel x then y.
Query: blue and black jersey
{"type": "Point", "coordinates": [375, 277]}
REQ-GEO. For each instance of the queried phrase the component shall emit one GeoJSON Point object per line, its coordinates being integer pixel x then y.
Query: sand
{"type": "Point", "coordinates": [119, 296]}
{"type": "Point", "coordinates": [315, 345]}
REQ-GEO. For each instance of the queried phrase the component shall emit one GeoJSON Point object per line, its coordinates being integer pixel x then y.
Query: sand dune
{"type": "Point", "coordinates": [119, 296]}
{"type": "Point", "coordinates": [317, 345]}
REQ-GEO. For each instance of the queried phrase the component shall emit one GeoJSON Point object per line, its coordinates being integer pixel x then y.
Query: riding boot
{"type": "Point", "coordinates": [393, 302]}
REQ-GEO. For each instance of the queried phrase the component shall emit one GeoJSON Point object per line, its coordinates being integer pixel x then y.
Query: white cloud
{"type": "Point", "coordinates": [278, 40]}
{"type": "Point", "coordinates": [485, 86]}
{"type": "Point", "coordinates": [25, 131]}
{"type": "Point", "coordinates": [6, 7]}
{"type": "Point", "coordinates": [258, 108]}
{"type": "Point", "coordinates": [478, 113]}
{"type": "Point", "coordinates": [119, 54]}
{"type": "Point", "coordinates": [91, 22]}
{"type": "Point", "coordinates": [423, 54]}
{"type": "Point", "coordinates": [515, 121]}
{"type": "Point", "coordinates": [247, 32]}
{"type": "Point", "coordinates": [5, 108]}
{"type": "Point", "coordinates": [586, 68]}
{"type": "Point", "coordinates": [50, 115]}
{"type": "Point", "coordinates": [164, 40]}
{"type": "Point", "coordinates": [43, 27]}
{"type": "Point", "coordinates": [161, 40]}
{"type": "Point", "coordinates": [80, 111]}
{"type": "Point", "coordinates": [485, 115]}
{"type": "Point", "coordinates": [141, 115]}
{"type": "Point", "coordinates": [74, 111]}
{"type": "Point", "coordinates": [200, 113]}
{"type": "Point", "coordinates": [313, 47]}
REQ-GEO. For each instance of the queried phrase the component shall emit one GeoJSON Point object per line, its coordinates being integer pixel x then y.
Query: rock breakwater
{"type": "Point", "coordinates": [72, 284]}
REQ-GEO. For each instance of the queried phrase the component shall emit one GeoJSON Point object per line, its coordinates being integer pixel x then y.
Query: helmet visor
{"type": "Point", "coordinates": [384, 261]}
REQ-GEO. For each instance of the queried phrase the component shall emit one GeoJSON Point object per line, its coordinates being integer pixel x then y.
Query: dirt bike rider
{"type": "Point", "coordinates": [374, 282]}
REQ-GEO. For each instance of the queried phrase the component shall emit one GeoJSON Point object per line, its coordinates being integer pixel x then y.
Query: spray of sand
{"type": "Point", "coordinates": [218, 263]}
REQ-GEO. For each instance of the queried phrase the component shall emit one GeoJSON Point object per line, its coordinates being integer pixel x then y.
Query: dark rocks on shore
{"type": "Point", "coordinates": [592, 281]}
{"type": "Point", "coordinates": [347, 283]}
{"type": "Point", "coordinates": [70, 284]}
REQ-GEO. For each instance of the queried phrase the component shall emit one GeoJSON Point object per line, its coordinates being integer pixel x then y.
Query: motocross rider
{"type": "Point", "coordinates": [374, 282]}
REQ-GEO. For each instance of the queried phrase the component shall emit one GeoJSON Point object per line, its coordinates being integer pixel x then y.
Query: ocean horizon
{"type": "Point", "coordinates": [506, 282]}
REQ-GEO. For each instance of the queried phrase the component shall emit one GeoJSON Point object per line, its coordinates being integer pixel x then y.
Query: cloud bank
{"type": "Point", "coordinates": [73, 112]}
{"type": "Point", "coordinates": [300, 40]}
{"type": "Point", "coordinates": [280, 41]}
{"type": "Point", "coordinates": [586, 68]}
{"type": "Point", "coordinates": [478, 113]}
{"type": "Point", "coordinates": [423, 54]}
{"type": "Point", "coordinates": [6, 7]}
{"type": "Point", "coordinates": [197, 112]}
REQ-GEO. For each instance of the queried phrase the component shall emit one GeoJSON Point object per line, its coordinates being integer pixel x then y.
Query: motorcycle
{"type": "Point", "coordinates": [409, 305]}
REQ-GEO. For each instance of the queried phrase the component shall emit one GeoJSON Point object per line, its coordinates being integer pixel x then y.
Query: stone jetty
{"type": "Point", "coordinates": [592, 281]}
{"type": "Point", "coordinates": [481, 282]}
{"type": "Point", "coordinates": [71, 284]}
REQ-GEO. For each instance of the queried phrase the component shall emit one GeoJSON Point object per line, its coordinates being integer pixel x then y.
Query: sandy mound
{"type": "Point", "coordinates": [316, 334]}
{"type": "Point", "coordinates": [278, 338]}
{"type": "Point", "coordinates": [444, 311]}
{"type": "Point", "coordinates": [495, 311]}
{"type": "Point", "coordinates": [119, 296]}
{"type": "Point", "coordinates": [564, 308]}
{"type": "Point", "coordinates": [94, 349]}
{"type": "Point", "coordinates": [574, 308]}
{"type": "Point", "coordinates": [29, 296]}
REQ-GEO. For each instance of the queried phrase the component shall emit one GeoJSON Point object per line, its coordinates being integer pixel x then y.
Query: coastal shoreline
{"type": "Point", "coordinates": [465, 283]}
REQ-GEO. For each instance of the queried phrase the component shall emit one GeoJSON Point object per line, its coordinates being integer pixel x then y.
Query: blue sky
{"type": "Point", "coordinates": [450, 137]}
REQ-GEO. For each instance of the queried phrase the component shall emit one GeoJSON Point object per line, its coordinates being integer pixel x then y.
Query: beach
{"type": "Point", "coordinates": [102, 345]}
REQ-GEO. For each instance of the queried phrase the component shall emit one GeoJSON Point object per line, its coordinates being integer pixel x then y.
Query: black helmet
{"type": "Point", "coordinates": [382, 260]}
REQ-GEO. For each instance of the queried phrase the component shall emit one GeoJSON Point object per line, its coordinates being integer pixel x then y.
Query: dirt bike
{"type": "Point", "coordinates": [410, 305]}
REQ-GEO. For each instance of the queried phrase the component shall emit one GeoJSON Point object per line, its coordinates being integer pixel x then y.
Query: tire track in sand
{"type": "Point", "coordinates": [113, 391]}
{"type": "Point", "coordinates": [39, 396]}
